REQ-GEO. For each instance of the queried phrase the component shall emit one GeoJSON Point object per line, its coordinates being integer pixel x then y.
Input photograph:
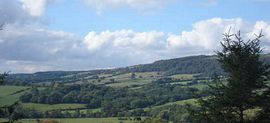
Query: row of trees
{"type": "Point", "coordinates": [19, 112]}
{"type": "Point", "coordinates": [111, 100]}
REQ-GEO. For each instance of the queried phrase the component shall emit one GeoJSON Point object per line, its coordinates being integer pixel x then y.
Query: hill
{"type": "Point", "coordinates": [202, 64]}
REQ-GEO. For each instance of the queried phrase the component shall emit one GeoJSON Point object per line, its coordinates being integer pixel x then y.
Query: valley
{"type": "Point", "coordinates": [143, 91]}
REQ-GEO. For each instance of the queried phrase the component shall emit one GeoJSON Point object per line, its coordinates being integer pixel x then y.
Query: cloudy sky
{"type": "Point", "coordinates": [47, 35]}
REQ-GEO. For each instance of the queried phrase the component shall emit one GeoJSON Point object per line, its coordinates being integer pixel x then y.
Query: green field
{"type": "Point", "coordinates": [130, 82]}
{"type": "Point", "coordinates": [199, 86]}
{"type": "Point", "coordinates": [48, 107]}
{"type": "Point", "coordinates": [84, 111]}
{"type": "Point", "coordinates": [78, 120]}
{"type": "Point", "coordinates": [11, 94]}
{"type": "Point", "coordinates": [181, 102]}
{"type": "Point", "coordinates": [122, 80]}
{"type": "Point", "coordinates": [183, 76]}
{"type": "Point", "coordinates": [181, 83]}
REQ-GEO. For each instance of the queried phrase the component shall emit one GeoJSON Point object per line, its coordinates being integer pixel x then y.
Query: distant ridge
{"type": "Point", "coordinates": [205, 65]}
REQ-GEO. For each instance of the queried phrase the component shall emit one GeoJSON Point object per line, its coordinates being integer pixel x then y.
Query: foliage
{"type": "Point", "coordinates": [2, 78]}
{"type": "Point", "coordinates": [245, 83]}
{"type": "Point", "coordinates": [12, 112]}
{"type": "Point", "coordinates": [174, 113]}
{"type": "Point", "coordinates": [112, 101]}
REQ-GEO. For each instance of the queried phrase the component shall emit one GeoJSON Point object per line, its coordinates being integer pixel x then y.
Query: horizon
{"type": "Point", "coordinates": [61, 35]}
{"type": "Point", "coordinates": [87, 70]}
{"type": "Point", "coordinates": [114, 67]}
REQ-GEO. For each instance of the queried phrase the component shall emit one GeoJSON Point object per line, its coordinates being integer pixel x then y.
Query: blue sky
{"type": "Point", "coordinates": [48, 35]}
{"type": "Point", "coordinates": [74, 16]}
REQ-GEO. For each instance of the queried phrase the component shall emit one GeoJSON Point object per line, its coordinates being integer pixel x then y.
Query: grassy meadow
{"type": "Point", "coordinates": [11, 94]}
{"type": "Point", "coordinates": [48, 107]}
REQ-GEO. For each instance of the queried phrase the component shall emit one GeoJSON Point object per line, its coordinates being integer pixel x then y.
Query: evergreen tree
{"type": "Point", "coordinates": [2, 78]}
{"type": "Point", "coordinates": [243, 88]}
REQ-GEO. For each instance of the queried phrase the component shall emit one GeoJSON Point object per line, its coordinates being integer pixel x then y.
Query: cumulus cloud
{"type": "Point", "coordinates": [124, 38]}
{"type": "Point", "coordinates": [32, 48]}
{"type": "Point", "coordinates": [28, 46]}
{"type": "Point", "coordinates": [206, 34]}
{"type": "Point", "coordinates": [204, 38]}
{"type": "Point", "coordinates": [131, 47]}
{"type": "Point", "coordinates": [35, 7]}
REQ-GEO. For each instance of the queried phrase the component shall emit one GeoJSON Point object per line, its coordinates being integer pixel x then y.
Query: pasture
{"type": "Point", "coordinates": [11, 94]}
{"type": "Point", "coordinates": [48, 107]}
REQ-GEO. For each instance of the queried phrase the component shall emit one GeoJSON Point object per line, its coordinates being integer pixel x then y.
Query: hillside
{"type": "Point", "coordinates": [146, 90]}
{"type": "Point", "coordinates": [202, 64]}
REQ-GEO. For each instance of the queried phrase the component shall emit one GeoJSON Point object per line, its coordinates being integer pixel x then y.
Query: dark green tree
{"type": "Point", "coordinates": [264, 114]}
{"type": "Point", "coordinates": [2, 78]}
{"type": "Point", "coordinates": [16, 112]}
{"type": "Point", "coordinates": [244, 86]}
{"type": "Point", "coordinates": [133, 76]}
{"type": "Point", "coordinates": [12, 112]}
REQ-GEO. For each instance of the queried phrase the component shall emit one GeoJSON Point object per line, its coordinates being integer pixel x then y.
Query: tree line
{"type": "Point", "coordinates": [111, 100]}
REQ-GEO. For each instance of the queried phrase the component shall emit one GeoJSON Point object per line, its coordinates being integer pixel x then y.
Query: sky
{"type": "Point", "coordinates": [53, 35]}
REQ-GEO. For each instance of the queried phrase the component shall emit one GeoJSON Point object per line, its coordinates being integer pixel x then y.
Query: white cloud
{"type": "Point", "coordinates": [32, 48]}
{"type": "Point", "coordinates": [35, 7]}
{"type": "Point", "coordinates": [261, 26]}
{"type": "Point", "coordinates": [123, 38]}
{"type": "Point", "coordinates": [143, 47]}
{"type": "Point", "coordinates": [33, 43]}
{"type": "Point", "coordinates": [206, 34]}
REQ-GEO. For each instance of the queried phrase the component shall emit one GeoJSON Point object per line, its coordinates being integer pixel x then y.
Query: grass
{"type": "Point", "coordinates": [183, 76]}
{"type": "Point", "coordinates": [123, 79]}
{"type": "Point", "coordinates": [180, 83]}
{"type": "Point", "coordinates": [143, 75]}
{"type": "Point", "coordinates": [148, 74]}
{"type": "Point", "coordinates": [251, 113]}
{"type": "Point", "coordinates": [9, 90]}
{"type": "Point", "coordinates": [141, 78]}
{"type": "Point", "coordinates": [84, 111]}
{"type": "Point", "coordinates": [199, 86]}
{"type": "Point", "coordinates": [11, 94]}
{"type": "Point", "coordinates": [181, 102]}
{"type": "Point", "coordinates": [48, 107]}
{"type": "Point", "coordinates": [130, 82]}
